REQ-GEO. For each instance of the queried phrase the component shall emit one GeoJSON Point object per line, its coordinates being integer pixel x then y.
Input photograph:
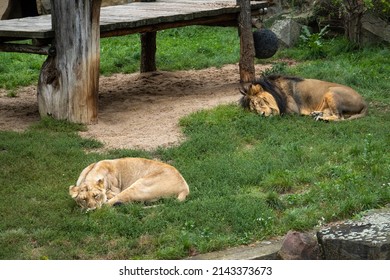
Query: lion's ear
{"type": "Point", "coordinates": [244, 91]}
{"type": "Point", "coordinates": [74, 191]}
{"type": "Point", "coordinates": [254, 89]}
{"type": "Point", "coordinates": [244, 88]}
{"type": "Point", "coordinates": [258, 88]}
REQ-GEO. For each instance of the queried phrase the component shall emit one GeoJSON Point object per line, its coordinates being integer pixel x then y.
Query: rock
{"type": "Point", "coordinates": [374, 29]}
{"type": "Point", "coordinates": [366, 239]}
{"type": "Point", "coordinates": [299, 246]}
{"type": "Point", "coordinates": [265, 250]}
{"type": "Point", "coordinates": [287, 31]}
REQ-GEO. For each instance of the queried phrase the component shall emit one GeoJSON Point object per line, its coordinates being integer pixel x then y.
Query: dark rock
{"type": "Point", "coordinates": [299, 246]}
{"type": "Point", "coordinates": [367, 239]}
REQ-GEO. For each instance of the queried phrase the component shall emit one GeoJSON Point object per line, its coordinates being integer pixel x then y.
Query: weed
{"type": "Point", "coordinates": [314, 42]}
{"type": "Point", "coordinates": [273, 201]}
{"type": "Point", "coordinates": [12, 93]}
{"type": "Point", "coordinates": [277, 68]}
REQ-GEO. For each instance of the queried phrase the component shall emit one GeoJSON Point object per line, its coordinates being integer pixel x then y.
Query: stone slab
{"type": "Point", "coordinates": [365, 239]}
{"type": "Point", "coordinates": [265, 250]}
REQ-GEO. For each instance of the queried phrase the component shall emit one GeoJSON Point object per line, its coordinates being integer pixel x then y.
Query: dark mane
{"type": "Point", "coordinates": [270, 84]}
{"type": "Point", "coordinates": [244, 100]}
{"type": "Point", "coordinates": [284, 77]}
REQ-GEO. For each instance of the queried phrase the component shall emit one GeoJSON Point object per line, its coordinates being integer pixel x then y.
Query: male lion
{"type": "Point", "coordinates": [125, 180]}
{"type": "Point", "coordinates": [278, 95]}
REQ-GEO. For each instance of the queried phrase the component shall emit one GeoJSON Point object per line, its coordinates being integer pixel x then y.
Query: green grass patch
{"type": "Point", "coordinates": [192, 47]}
{"type": "Point", "coordinates": [250, 177]}
{"type": "Point", "coordinates": [18, 70]}
{"type": "Point", "coordinates": [177, 49]}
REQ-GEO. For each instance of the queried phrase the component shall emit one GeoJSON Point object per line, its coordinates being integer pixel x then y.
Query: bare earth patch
{"type": "Point", "coordinates": [139, 111]}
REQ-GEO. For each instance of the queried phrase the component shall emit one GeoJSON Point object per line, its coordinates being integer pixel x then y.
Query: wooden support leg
{"type": "Point", "coordinates": [247, 48]}
{"type": "Point", "coordinates": [69, 80]}
{"type": "Point", "coordinates": [148, 52]}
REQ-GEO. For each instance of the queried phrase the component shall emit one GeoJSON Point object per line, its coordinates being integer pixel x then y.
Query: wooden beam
{"type": "Point", "coordinates": [132, 17]}
{"type": "Point", "coordinates": [220, 20]}
{"type": "Point", "coordinates": [25, 48]}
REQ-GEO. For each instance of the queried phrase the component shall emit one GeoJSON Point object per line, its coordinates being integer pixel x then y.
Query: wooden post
{"type": "Point", "coordinates": [69, 80]}
{"type": "Point", "coordinates": [148, 52]}
{"type": "Point", "coordinates": [148, 49]}
{"type": "Point", "coordinates": [247, 48]}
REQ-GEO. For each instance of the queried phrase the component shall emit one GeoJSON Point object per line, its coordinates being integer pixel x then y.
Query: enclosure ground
{"type": "Point", "coordinates": [139, 111]}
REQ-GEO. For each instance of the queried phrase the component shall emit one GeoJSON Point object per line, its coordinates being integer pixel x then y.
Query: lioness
{"type": "Point", "coordinates": [127, 179]}
{"type": "Point", "coordinates": [277, 95]}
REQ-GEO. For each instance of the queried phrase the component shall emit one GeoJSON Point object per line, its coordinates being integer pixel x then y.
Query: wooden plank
{"type": "Point", "coordinates": [29, 27]}
{"type": "Point", "coordinates": [25, 48]}
{"type": "Point", "coordinates": [157, 17]}
{"type": "Point", "coordinates": [159, 10]}
{"type": "Point", "coordinates": [222, 20]}
{"type": "Point", "coordinates": [136, 15]}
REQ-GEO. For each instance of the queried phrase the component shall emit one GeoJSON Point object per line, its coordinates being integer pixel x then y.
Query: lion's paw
{"type": "Point", "coordinates": [317, 115]}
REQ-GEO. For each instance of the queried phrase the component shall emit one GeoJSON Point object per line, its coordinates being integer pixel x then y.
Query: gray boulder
{"type": "Point", "coordinates": [287, 31]}
{"type": "Point", "coordinates": [374, 29]}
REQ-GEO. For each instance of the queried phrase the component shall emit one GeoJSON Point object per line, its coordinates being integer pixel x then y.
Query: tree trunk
{"type": "Point", "coordinates": [353, 20]}
{"type": "Point", "coordinates": [247, 48]}
{"type": "Point", "coordinates": [69, 80]}
{"type": "Point", "coordinates": [148, 52]}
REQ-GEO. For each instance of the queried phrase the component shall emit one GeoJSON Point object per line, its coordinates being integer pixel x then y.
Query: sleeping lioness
{"type": "Point", "coordinates": [125, 180]}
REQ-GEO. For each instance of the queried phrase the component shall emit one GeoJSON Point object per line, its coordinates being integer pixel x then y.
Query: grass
{"type": "Point", "coordinates": [251, 178]}
{"type": "Point", "coordinates": [177, 49]}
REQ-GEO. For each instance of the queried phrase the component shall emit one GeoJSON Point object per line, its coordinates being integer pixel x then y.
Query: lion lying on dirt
{"type": "Point", "coordinates": [125, 180]}
{"type": "Point", "coordinates": [278, 95]}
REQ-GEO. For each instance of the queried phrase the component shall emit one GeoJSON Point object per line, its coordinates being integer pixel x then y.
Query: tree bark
{"type": "Point", "coordinates": [353, 20]}
{"type": "Point", "coordinates": [148, 52]}
{"type": "Point", "coordinates": [69, 80]}
{"type": "Point", "coordinates": [247, 48]}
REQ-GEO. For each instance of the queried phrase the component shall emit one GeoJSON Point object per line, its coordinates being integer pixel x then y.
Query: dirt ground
{"type": "Point", "coordinates": [139, 111]}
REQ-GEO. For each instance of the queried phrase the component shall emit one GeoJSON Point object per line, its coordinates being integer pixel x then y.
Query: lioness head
{"type": "Point", "coordinates": [89, 195]}
{"type": "Point", "coordinates": [260, 101]}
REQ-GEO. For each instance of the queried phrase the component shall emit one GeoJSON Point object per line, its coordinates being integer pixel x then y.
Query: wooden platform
{"type": "Point", "coordinates": [69, 79]}
{"type": "Point", "coordinates": [137, 17]}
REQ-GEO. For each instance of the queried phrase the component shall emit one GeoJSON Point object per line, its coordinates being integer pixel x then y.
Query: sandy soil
{"type": "Point", "coordinates": [139, 110]}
